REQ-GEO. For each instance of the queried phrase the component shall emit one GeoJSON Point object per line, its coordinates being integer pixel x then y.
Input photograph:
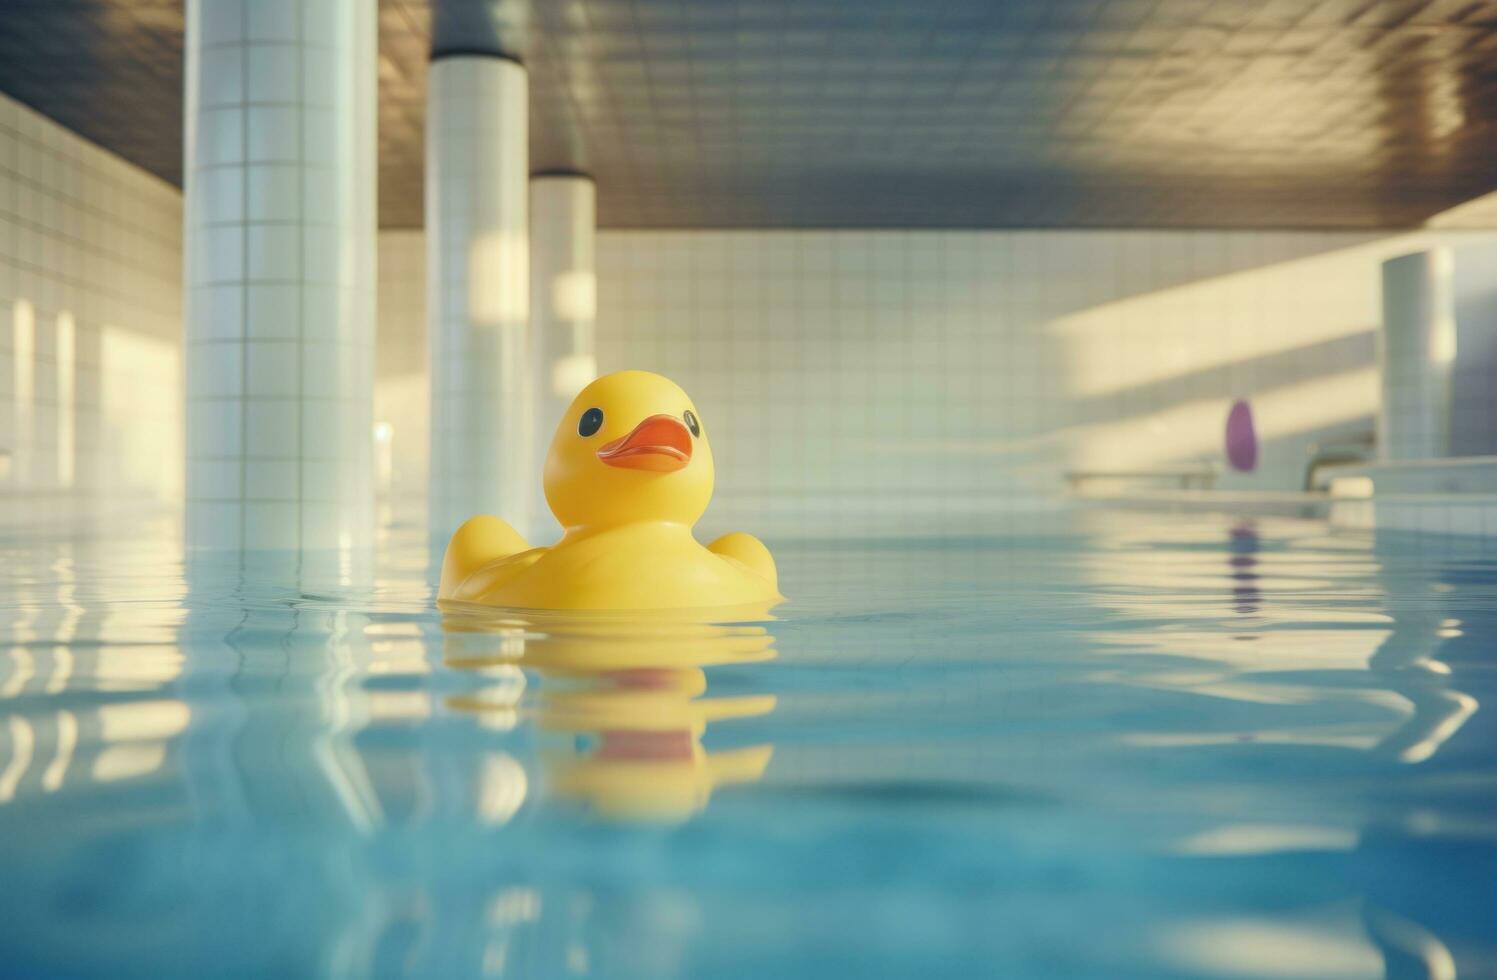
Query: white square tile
{"type": "Point", "coordinates": [221, 82]}
{"type": "Point", "coordinates": [327, 199]}
{"type": "Point", "coordinates": [273, 253]}
{"type": "Point", "coordinates": [273, 134]}
{"type": "Point", "coordinates": [273, 369]}
{"type": "Point", "coordinates": [274, 73]}
{"type": "Point", "coordinates": [325, 250]}
{"type": "Point", "coordinates": [322, 524]}
{"type": "Point", "coordinates": [325, 366]}
{"type": "Point", "coordinates": [272, 480]}
{"type": "Point", "coordinates": [215, 428]}
{"type": "Point", "coordinates": [271, 526]}
{"type": "Point", "coordinates": [214, 479]}
{"type": "Point", "coordinates": [271, 428]}
{"type": "Point", "coordinates": [274, 192]}
{"type": "Point", "coordinates": [215, 370]}
{"type": "Point", "coordinates": [218, 138]}
{"type": "Point", "coordinates": [322, 136]}
{"type": "Point", "coordinates": [321, 311]}
{"type": "Point", "coordinates": [274, 311]}
{"type": "Point", "coordinates": [320, 480]}
{"type": "Point", "coordinates": [319, 76]}
{"type": "Point", "coordinates": [324, 23]}
{"type": "Point", "coordinates": [219, 256]}
{"type": "Point", "coordinates": [214, 525]}
{"type": "Point", "coordinates": [321, 438]}
{"type": "Point", "coordinates": [272, 20]}
{"type": "Point", "coordinates": [221, 21]}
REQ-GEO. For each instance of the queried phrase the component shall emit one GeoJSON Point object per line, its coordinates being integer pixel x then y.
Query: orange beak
{"type": "Point", "coordinates": [661, 443]}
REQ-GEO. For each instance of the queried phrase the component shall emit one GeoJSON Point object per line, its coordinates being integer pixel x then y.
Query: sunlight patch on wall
{"type": "Point", "coordinates": [67, 401]}
{"type": "Point", "coordinates": [571, 374]}
{"type": "Point", "coordinates": [402, 402]}
{"type": "Point", "coordinates": [574, 296]}
{"type": "Point", "coordinates": [499, 279]}
{"type": "Point", "coordinates": [23, 350]}
{"type": "Point", "coordinates": [1193, 430]}
{"type": "Point", "coordinates": [140, 403]}
{"type": "Point", "coordinates": [1226, 322]}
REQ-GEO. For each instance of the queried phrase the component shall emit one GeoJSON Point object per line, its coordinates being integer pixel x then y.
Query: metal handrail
{"type": "Point", "coordinates": [1345, 451]}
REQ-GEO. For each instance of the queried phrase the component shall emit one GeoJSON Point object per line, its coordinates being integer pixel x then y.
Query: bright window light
{"type": "Point", "coordinates": [23, 344]}
{"type": "Point", "coordinates": [67, 421]}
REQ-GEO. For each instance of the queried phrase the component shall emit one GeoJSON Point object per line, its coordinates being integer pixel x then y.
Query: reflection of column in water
{"type": "Point", "coordinates": [1409, 659]}
{"type": "Point", "coordinates": [281, 798]}
{"type": "Point", "coordinates": [274, 659]}
{"type": "Point", "coordinates": [210, 636]}
{"type": "Point", "coordinates": [1417, 928]}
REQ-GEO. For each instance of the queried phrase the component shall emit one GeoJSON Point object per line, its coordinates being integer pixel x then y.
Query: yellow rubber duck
{"type": "Point", "coordinates": [628, 474]}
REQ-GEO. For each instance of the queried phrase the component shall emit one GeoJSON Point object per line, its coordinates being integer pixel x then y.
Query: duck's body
{"type": "Point", "coordinates": [628, 504]}
{"type": "Point", "coordinates": [634, 566]}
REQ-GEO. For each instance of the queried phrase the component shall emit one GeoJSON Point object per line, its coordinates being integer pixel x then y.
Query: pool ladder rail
{"type": "Point", "coordinates": [1348, 450]}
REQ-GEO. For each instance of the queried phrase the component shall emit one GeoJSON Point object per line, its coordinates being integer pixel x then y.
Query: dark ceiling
{"type": "Point", "coordinates": [908, 113]}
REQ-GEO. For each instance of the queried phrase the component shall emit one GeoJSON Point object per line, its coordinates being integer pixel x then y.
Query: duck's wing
{"type": "Point", "coordinates": [480, 585]}
{"type": "Point", "coordinates": [481, 541]}
{"type": "Point", "coordinates": [749, 552]}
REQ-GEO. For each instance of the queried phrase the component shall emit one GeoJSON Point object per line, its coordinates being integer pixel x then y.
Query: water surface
{"type": "Point", "coordinates": [1070, 744]}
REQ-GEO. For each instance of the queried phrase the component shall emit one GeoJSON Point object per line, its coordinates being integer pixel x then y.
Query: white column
{"type": "Point", "coordinates": [1473, 395]}
{"type": "Point", "coordinates": [1416, 348]}
{"type": "Point", "coordinates": [563, 295]}
{"type": "Point", "coordinates": [477, 288]}
{"type": "Point", "coordinates": [280, 253]}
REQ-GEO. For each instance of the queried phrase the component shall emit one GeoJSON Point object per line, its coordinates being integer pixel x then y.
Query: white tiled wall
{"type": "Point", "coordinates": [973, 365]}
{"type": "Point", "coordinates": [90, 322]}
{"type": "Point", "coordinates": [960, 367]}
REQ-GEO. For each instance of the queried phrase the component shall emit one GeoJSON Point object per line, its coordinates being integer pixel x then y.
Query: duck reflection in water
{"type": "Point", "coordinates": [621, 707]}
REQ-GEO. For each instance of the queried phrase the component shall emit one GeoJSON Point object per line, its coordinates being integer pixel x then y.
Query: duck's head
{"type": "Point", "coordinates": [631, 447]}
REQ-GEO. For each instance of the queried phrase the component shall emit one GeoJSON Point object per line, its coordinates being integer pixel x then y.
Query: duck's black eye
{"type": "Point", "coordinates": [590, 423]}
{"type": "Point", "coordinates": [692, 423]}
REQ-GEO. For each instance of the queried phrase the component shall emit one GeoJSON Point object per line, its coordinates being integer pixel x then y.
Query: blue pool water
{"type": "Point", "coordinates": [1073, 744]}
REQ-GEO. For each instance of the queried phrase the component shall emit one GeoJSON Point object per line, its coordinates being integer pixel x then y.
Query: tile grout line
{"type": "Point", "coordinates": [301, 253]}
{"type": "Point", "coordinates": [244, 324]}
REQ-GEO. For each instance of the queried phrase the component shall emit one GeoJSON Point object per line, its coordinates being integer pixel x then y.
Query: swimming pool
{"type": "Point", "coordinates": [1078, 743]}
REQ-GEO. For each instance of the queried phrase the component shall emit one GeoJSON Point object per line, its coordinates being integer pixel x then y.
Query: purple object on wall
{"type": "Point", "coordinates": [1242, 440]}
